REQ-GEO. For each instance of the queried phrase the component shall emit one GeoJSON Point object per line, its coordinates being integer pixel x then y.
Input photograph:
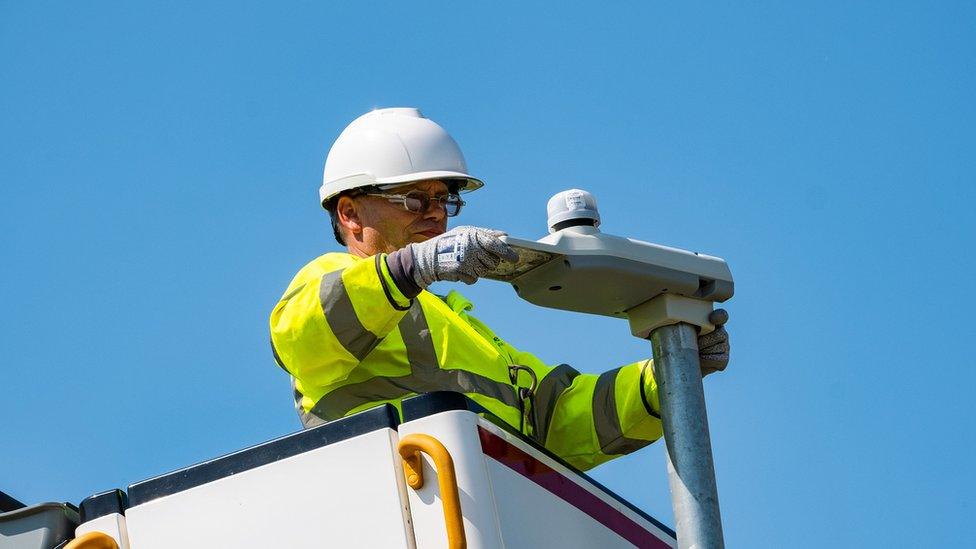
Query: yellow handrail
{"type": "Point", "coordinates": [93, 540]}
{"type": "Point", "coordinates": [410, 447]}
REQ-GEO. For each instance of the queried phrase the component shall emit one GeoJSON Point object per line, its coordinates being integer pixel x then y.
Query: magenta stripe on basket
{"type": "Point", "coordinates": [567, 490]}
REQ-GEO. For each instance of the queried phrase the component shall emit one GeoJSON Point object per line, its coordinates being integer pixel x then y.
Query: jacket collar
{"type": "Point", "coordinates": [457, 302]}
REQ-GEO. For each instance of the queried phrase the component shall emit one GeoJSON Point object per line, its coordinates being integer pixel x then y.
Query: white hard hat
{"type": "Point", "coordinates": [391, 147]}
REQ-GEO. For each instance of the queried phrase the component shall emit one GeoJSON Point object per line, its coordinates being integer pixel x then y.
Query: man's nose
{"type": "Point", "coordinates": [436, 211]}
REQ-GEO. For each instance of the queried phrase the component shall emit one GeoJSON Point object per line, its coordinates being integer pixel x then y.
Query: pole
{"type": "Point", "coordinates": [691, 472]}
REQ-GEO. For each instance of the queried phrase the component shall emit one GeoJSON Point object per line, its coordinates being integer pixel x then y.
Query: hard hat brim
{"type": "Point", "coordinates": [364, 180]}
{"type": "Point", "coordinates": [470, 183]}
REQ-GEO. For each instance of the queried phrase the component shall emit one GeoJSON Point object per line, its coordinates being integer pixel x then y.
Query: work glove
{"type": "Point", "coordinates": [463, 253]}
{"type": "Point", "coordinates": [713, 347]}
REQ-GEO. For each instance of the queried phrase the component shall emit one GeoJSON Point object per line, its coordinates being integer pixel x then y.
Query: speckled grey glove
{"type": "Point", "coordinates": [713, 347]}
{"type": "Point", "coordinates": [463, 253]}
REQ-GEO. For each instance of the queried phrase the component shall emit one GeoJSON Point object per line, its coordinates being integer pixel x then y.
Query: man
{"type": "Point", "coordinates": [358, 329]}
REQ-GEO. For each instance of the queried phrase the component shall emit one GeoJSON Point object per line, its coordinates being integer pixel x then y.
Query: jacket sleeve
{"type": "Point", "coordinates": [330, 318]}
{"type": "Point", "coordinates": [588, 419]}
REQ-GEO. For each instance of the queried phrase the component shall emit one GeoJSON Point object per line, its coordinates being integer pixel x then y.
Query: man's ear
{"type": "Point", "coordinates": [348, 214]}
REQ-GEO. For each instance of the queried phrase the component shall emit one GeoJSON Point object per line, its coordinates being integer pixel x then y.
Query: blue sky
{"type": "Point", "coordinates": [160, 166]}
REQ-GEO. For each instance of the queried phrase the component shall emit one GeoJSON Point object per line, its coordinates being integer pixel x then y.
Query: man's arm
{"type": "Point", "coordinates": [588, 419]}
{"type": "Point", "coordinates": [335, 311]}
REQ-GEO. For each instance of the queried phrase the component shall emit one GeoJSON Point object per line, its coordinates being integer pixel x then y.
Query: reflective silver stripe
{"type": "Point", "coordinates": [425, 376]}
{"type": "Point", "coordinates": [341, 316]}
{"type": "Point", "coordinates": [547, 395]}
{"type": "Point", "coordinates": [307, 419]}
{"type": "Point", "coordinates": [277, 358]}
{"type": "Point", "coordinates": [431, 377]}
{"type": "Point", "coordinates": [292, 293]}
{"type": "Point", "coordinates": [606, 421]}
{"type": "Point", "coordinates": [416, 338]}
{"type": "Point", "coordinates": [463, 381]}
{"type": "Point", "coordinates": [339, 402]}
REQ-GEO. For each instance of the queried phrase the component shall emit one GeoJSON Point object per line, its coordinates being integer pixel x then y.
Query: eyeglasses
{"type": "Point", "coordinates": [420, 201]}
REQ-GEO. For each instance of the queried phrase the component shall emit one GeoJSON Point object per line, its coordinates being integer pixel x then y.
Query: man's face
{"type": "Point", "coordinates": [388, 226]}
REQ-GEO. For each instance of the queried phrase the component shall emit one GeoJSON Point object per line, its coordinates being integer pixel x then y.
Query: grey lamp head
{"type": "Point", "coordinates": [579, 268]}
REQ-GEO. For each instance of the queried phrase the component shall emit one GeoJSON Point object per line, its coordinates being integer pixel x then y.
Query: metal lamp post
{"type": "Point", "coordinates": [667, 295]}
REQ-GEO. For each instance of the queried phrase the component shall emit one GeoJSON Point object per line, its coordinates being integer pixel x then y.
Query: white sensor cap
{"type": "Point", "coordinates": [572, 205]}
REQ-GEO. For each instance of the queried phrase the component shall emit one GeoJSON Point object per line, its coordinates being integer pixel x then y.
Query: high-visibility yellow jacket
{"type": "Point", "coordinates": [351, 340]}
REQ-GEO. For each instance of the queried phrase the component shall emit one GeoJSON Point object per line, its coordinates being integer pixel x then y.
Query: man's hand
{"type": "Point", "coordinates": [463, 253]}
{"type": "Point", "coordinates": [713, 348]}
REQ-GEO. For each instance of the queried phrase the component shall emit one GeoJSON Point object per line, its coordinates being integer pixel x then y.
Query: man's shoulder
{"type": "Point", "coordinates": [325, 263]}
{"type": "Point", "coordinates": [332, 261]}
